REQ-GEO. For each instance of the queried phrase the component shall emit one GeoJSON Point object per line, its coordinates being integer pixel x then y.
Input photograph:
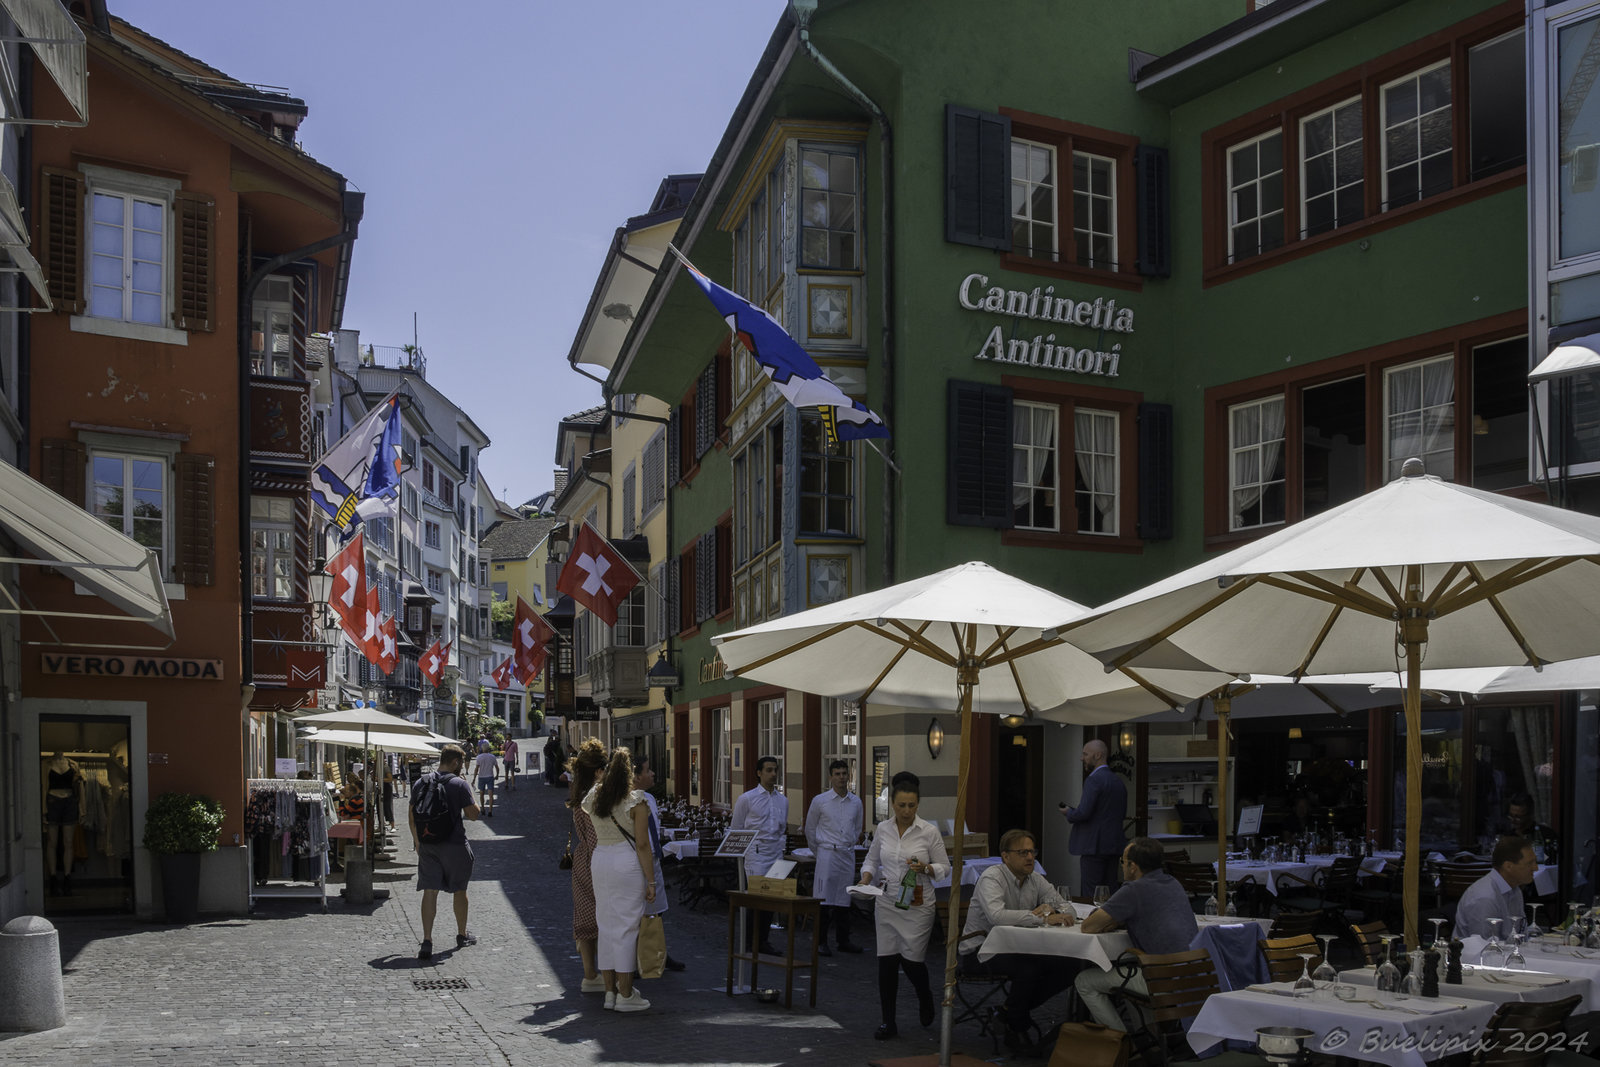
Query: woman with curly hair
{"type": "Point", "coordinates": [624, 877]}
{"type": "Point", "coordinates": [582, 769]}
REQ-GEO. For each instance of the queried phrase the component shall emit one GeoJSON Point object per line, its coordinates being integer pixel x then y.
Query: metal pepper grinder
{"type": "Point", "coordinates": [1452, 972]}
{"type": "Point", "coordinates": [1430, 973]}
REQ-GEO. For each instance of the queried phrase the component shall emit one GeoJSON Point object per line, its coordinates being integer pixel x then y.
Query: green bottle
{"type": "Point", "coordinates": [908, 889]}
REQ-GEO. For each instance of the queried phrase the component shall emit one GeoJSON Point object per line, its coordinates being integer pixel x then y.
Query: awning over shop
{"type": "Point", "coordinates": [1579, 355]}
{"type": "Point", "coordinates": [14, 240]}
{"type": "Point", "coordinates": [61, 534]}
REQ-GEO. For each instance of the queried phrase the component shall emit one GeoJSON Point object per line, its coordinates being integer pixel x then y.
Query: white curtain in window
{"type": "Point", "coordinates": [1531, 728]}
{"type": "Point", "coordinates": [1095, 435]}
{"type": "Point", "coordinates": [1248, 484]}
{"type": "Point", "coordinates": [1036, 427]}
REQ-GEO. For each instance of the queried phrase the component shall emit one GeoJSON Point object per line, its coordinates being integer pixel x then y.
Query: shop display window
{"type": "Point", "coordinates": [86, 790]}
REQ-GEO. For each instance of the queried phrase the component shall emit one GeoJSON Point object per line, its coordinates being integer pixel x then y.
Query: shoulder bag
{"type": "Point", "coordinates": [565, 862]}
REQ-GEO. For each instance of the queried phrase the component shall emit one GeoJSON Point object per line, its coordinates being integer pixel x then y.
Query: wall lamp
{"type": "Point", "coordinates": [935, 738]}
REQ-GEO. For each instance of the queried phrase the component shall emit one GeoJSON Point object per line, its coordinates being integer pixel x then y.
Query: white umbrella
{"type": "Point", "coordinates": [1475, 578]}
{"type": "Point", "coordinates": [365, 718]}
{"type": "Point", "coordinates": [385, 741]}
{"type": "Point", "coordinates": [929, 643]}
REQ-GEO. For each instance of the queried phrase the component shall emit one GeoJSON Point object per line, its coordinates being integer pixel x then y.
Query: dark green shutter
{"type": "Point", "coordinates": [1155, 212]}
{"type": "Point", "coordinates": [1155, 472]}
{"type": "Point", "coordinates": [979, 450]}
{"type": "Point", "coordinates": [977, 204]}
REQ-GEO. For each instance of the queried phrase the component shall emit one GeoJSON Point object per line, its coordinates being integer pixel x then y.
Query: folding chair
{"type": "Point", "coordinates": [975, 992]}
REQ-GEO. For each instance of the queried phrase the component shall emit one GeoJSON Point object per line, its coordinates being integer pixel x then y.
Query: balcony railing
{"type": "Point", "coordinates": [617, 677]}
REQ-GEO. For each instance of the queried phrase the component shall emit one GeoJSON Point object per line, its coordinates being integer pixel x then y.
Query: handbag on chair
{"type": "Point", "coordinates": [1089, 1045]}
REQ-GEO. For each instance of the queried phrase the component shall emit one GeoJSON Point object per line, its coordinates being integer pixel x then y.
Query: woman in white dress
{"type": "Point", "coordinates": [900, 845]}
{"type": "Point", "coordinates": [624, 876]}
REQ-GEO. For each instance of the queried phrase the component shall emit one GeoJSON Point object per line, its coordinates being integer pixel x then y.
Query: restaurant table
{"type": "Point", "coordinates": [1563, 960]}
{"type": "Point", "coordinates": [1498, 986]}
{"type": "Point", "coordinates": [1098, 949]}
{"type": "Point", "coordinates": [1404, 1033]}
{"type": "Point", "coordinates": [1305, 870]}
{"type": "Point", "coordinates": [795, 910]}
{"type": "Point", "coordinates": [683, 850]}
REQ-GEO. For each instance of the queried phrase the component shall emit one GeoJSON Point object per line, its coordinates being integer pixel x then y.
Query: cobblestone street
{"type": "Point", "coordinates": [292, 985]}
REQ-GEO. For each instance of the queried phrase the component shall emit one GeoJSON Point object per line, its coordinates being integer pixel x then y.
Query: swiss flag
{"type": "Point", "coordinates": [371, 640]}
{"type": "Point", "coordinates": [388, 645]}
{"type": "Point", "coordinates": [502, 674]}
{"type": "Point", "coordinates": [347, 596]}
{"type": "Point", "coordinates": [530, 639]}
{"type": "Point", "coordinates": [433, 663]}
{"type": "Point", "coordinates": [596, 575]}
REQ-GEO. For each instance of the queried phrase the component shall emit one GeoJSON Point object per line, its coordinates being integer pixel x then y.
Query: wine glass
{"type": "Point", "coordinates": [1534, 931]}
{"type": "Point", "coordinates": [1326, 976]}
{"type": "Point", "coordinates": [1411, 984]}
{"type": "Point", "coordinates": [1102, 893]}
{"type": "Point", "coordinates": [1211, 901]}
{"type": "Point", "coordinates": [1304, 985]}
{"type": "Point", "coordinates": [1515, 961]}
{"type": "Point", "coordinates": [1493, 947]}
{"type": "Point", "coordinates": [1438, 925]}
{"type": "Point", "coordinates": [1232, 910]}
{"type": "Point", "coordinates": [1388, 977]}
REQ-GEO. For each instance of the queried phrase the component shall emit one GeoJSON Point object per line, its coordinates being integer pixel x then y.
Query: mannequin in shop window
{"type": "Point", "coordinates": [118, 838]}
{"type": "Point", "coordinates": [62, 780]}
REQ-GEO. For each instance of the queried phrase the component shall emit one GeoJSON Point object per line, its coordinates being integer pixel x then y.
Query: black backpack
{"type": "Point", "coordinates": [430, 806]}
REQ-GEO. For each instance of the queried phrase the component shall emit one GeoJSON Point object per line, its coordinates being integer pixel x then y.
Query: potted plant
{"type": "Point", "coordinates": [178, 827]}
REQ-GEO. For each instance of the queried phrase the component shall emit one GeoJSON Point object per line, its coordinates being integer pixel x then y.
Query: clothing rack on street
{"type": "Point", "coordinates": [314, 794]}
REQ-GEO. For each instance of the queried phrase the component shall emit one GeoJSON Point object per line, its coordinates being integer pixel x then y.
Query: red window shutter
{"type": "Point", "coordinates": [194, 215]}
{"type": "Point", "coordinates": [63, 239]}
{"type": "Point", "coordinates": [194, 525]}
{"type": "Point", "coordinates": [61, 468]}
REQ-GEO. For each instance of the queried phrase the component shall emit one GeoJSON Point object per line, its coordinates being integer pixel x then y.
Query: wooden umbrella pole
{"type": "Point", "coordinates": [967, 677]}
{"type": "Point", "coordinates": [1223, 704]}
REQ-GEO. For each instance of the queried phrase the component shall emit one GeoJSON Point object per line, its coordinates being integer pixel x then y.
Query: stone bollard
{"type": "Point", "coordinates": [30, 970]}
{"type": "Point", "coordinates": [357, 881]}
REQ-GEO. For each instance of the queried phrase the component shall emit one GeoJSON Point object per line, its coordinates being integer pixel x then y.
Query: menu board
{"type": "Point", "coordinates": [736, 843]}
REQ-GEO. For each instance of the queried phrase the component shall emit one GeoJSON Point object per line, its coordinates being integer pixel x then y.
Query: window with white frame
{"type": "Point", "coordinates": [272, 328]}
{"type": "Point", "coordinates": [757, 499]}
{"type": "Point", "coordinates": [1094, 209]}
{"type": "Point", "coordinates": [841, 737]}
{"type": "Point", "coordinates": [128, 492]}
{"type": "Point", "coordinates": [827, 483]}
{"type": "Point", "coordinates": [272, 547]}
{"type": "Point", "coordinates": [380, 533]}
{"type": "Point", "coordinates": [128, 268]}
{"type": "Point", "coordinates": [1256, 463]}
{"type": "Point", "coordinates": [1096, 488]}
{"type": "Point", "coordinates": [1331, 168]}
{"type": "Point", "coordinates": [829, 215]}
{"type": "Point", "coordinates": [1419, 416]}
{"type": "Point", "coordinates": [430, 534]}
{"type": "Point", "coordinates": [769, 729]}
{"type": "Point", "coordinates": [1417, 140]}
{"type": "Point", "coordinates": [629, 630]}
{"type": "Point", "coordinates": [1255, 196]}
{"type": "Point", "coordinates": [1033, 464]}
{"type": "Point", "coordinates": [1033, 199]}
{"type": "Point", "coordinates": [435, 581]}
{"type": "Point", "coordinates": [719, 761]}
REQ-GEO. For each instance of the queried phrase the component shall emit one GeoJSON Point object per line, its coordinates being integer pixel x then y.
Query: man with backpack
{"type": "Point", "coordinates": [439, 802]}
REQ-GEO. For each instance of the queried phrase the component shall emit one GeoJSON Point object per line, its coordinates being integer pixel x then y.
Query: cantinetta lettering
{"type": "Point", "coordinates": [1041, 304]}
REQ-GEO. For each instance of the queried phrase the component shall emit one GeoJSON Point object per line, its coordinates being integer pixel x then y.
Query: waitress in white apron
{"type": "Point", "coordinates": [905, 915]}
{"type": "Point", "coordinates": [833, 826]}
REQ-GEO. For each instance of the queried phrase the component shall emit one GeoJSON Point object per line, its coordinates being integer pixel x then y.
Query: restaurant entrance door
{"type": "Point", "coordinates": [1019, 781]}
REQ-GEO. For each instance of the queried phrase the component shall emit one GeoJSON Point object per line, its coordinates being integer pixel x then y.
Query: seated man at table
{"type": "Point", "coordinates": [1153, 907]}
{"type": "Point", "coordinates": [1014, 894]}
{"type": "Point", "coordinates": [1498, 894]}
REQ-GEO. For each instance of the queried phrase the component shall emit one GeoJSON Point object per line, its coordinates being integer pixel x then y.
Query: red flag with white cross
{"type": "Point", "coordinates": [502, 674]}
{"type": "Point", "coordinates": [596, 575]}
{"type": "Point", "coordinates": [388, 645]}
{"type": "Point", "coordinates": [347, 595]}
{"type": "Point", "coordinates": [433, 662]}
{"type": "Point", "coordinates": [371, 641]}
{"type": "Point", "coordinates": [530, 642]}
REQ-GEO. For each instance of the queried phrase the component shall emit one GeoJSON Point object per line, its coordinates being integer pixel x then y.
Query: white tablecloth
{"type": "Point", "coordinates": [680, 849]}
{"type": "Point", "coordinates": [1498, 986]}
{"type": "Point", "coordinates": [1099, 949]}
{"type": "Point", "coordinates": [1269, 873]}
{"type": "Point", "coordinates": [1574, 962]}
{"type": "Point", "coordinates": [1356, 1029]}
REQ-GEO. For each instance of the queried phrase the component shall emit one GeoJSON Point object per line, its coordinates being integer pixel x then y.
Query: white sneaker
{"type": "Point", "coordinates": [632, 1002]}
{"type": "Point", "coordinates": [593, 985]}
{"type": "Point", "coordinates": [611, 1000]}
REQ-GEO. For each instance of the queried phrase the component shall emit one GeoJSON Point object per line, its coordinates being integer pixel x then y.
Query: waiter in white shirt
{"type": "Point", "coordinates": [766, 811]}
{"type": "Point", "coordinates": [833, 826]}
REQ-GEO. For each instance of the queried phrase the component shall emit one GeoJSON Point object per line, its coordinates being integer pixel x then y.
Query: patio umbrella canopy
{"type": "Point", "coordinates": [1420, 569]}
{"type": "Point", "coordinates": [932, 642]}
{"type": "Point", "coordinates": [364, 718]}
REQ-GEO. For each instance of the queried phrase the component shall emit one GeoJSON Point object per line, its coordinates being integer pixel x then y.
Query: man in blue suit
{"type": "Point", "coordinates": [1097, 838]}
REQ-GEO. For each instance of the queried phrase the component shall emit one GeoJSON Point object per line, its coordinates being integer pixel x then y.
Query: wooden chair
{"type": "Point", "coordinates": [1329, 892]}
{"type": "Point", "coordinates": [1294, 923]}
{"type": "Point", "coordinates": [1370, 939]}
{"type": "Point", "coordinates": [1178, 985]}
{"type": "Point", "coordinates": [1283, 956]}
{"type": "Point", "coordinates": [1454, 878]}
{"type": "Point", "coordinates": [1199, 880]}
{"type": "Point", "coordinates": [1175, 855]}
{"type": "Point", "coordinates": [1523, 1035]}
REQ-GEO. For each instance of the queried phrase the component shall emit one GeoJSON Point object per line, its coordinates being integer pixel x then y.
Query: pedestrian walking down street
{"type": "Point", "coordinates": [485, 766]}
{"type": "Point", "coordinates": [624, 877]}
{"type": "Point", "coordinates": [904, 844]}
{"type": "Point", "coordinates": [583, 769]}
{"type": "Point", "coordinates": [509, 755]}
{"type": "Point", "coordinates": [443, 864]}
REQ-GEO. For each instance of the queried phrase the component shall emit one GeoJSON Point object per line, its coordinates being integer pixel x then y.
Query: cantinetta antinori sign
{"type": "Point", "coordinates": [1042, 304]}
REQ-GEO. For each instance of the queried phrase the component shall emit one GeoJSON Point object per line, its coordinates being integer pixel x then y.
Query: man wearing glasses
{"type": "Point", "coordinates": [1154, 909]}
{"type": "Point", "coordinates": [1015, 894]}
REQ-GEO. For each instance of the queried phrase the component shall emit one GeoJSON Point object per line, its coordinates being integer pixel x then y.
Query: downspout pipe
{"type": "Point", "coordinates": [803, 10]}
{"type": "Point", "coordinates": [353, 208]}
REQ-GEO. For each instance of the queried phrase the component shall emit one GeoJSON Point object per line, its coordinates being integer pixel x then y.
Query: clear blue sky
{"type": "Point", "coordinates": [500, 143]}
